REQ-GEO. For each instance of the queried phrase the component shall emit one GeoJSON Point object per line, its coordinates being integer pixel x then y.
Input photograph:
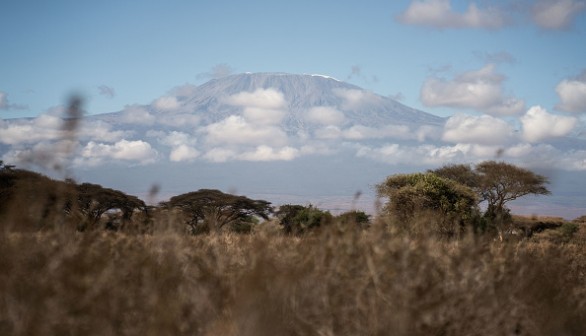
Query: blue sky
{"type": "Point", "coordinates": [118, 53]}
{"type": "Point", "coordinates": [510, 76]}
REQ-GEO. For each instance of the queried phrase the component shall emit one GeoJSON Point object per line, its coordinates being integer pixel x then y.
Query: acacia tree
{"type": "Point", "coordinates": [461, 173]}
{"type": "Point", "coordinates": [500, 183]}
{"type": "Point", "coordinates": [93, 200]}
{"type": "Point", "coordinates": [210, 209]}
{"type": "Point", "coordinates": [449, 204]}
{"type": "Point", "coordinates": [497, 183]}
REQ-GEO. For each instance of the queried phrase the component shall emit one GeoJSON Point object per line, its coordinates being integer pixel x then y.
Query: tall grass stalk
{"type": "Point", "coordinates": [337, 282]}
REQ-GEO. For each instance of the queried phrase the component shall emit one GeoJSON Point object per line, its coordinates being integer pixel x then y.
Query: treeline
{"type": "Point", "coordinates": [32, 201]}
{"type": "Point", "coordinates": [445, 202]}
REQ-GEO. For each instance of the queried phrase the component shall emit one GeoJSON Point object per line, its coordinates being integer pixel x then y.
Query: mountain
{"type": "Point", "coordinates": [286, 138]}
{"type": "Point", "coordinates": [303, 92]}
{"type": "Point", "coordinates": [215, 100]}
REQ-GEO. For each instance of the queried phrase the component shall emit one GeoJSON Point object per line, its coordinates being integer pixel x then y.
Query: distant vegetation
{"type": "Point", "coordinates": [86, 259]}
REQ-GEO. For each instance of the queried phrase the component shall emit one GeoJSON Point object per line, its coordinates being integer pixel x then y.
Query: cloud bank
{"type": "Point", "coordinates": [481, 90]}
{"type": "Point", "coordinates": [439, 14]}
{"type": "Point", "coordinates": [556, 14]}
{"type": "Point", "coordinates": [545, 14]}
{"type": "Point", "coordinates": [539, 125]}
{"type": "Point", "coordinates": [256, 126]}
{"type": "Point", "coordinates": [482, 130]}
{"type": "Point", "coordinates": [572, 94]}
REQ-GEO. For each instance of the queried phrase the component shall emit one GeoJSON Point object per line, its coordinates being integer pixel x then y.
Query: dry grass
{"type": "Point", "coordinates": [60, 282]}
{"type": "Point", "coordinates": [57, 281]}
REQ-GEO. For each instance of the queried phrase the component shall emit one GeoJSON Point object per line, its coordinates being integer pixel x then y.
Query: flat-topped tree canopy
{"type": "Point", "coordinates": [497, 183]}
{"type": "Point", "coordinates": [94, 200]}
{"type": "Point", "coordinates": [211, 209]}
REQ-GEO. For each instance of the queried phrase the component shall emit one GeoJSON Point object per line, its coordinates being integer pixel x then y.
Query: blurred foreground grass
{"type": "Point", "coordinates": [336, 282]}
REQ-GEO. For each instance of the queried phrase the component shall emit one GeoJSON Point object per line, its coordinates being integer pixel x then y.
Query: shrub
{"type": "Point", "coordinates": [354, 218]}
{"type": "Point", "coordinates": [298, 219]}
{"type": "Point", "coordinates": [447, 205]}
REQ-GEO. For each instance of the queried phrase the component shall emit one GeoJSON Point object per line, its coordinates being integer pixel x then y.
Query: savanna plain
{"type": "Point", "coordinates": [299, 271]}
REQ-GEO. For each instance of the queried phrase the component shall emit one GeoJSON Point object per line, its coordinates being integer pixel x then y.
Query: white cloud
{"type": "Point", "coordinates": [175, 139]}
{"type": "Point", "coordinates": [259, 153]}
{"type": "Point", "coordinates": [183, 153]}
{"type": "Point", "coordinates": [556, 14]}
{"type": "Point", "coordinates": [47, 121]}
{"type": "Point", "coordinates": [44, 127]}
{"type": "Point", "coordinates": [182, 145]}
{"type": "Point", "coordinates": [96, 153]}
{"type": "Point", "coordinates": [572, 93]}
{"type": "Point", "coordinates": [167, 103]}
{"type": "Point", "coordinates": [180, 120]}
{"type": "Point", "coordinates": [262, 106]}
{"type": "Point", "coordinates": [266, 153]}
{"type": "Point", "coordinates": [49, 127]}
{"type": "Point", "coordinates": [547, 157]}
{"type": "Point", "coordinates": [539, 125]}
{"type": "Point", "coordinates": [264, 116]}
{"type": "Point", "coordinates": [317, 148]}
{"type": "Point", "coordinates": [483, 130]}
{"type": "Point", "coordinates": [480, 90]}
{"type": "Point", "coordinates": [354, 98]}
{"type": "Point", "coordinates": [329, 132]}
{"type": "Point", "coordinates": [428, 155]}
{"type": "Point", "coordinates": [260, 98]}
{"type": "Point", "coordinates": [526, 155]}
{"type": "Point", "coordinates": [325, 115]}
{"type": "Point", "coordinates": [439, 14]}
{"type": "Point", "coordinates": [236, 130]}
{"type": "Point", "coordinates": [506, 106]}
{"type": "Point", "coordinates": [573, 160]}
{"type": "Point", "coordinates": [138, 115]}
{"type": "Point", "coordinates": [423, 155]}
{"type": "Point", "coordinates": [47, 154]}
{"type": "Point", "coordinates": [361, 132]}
{"type": "Point", "coordinates": [98, 130]}
{"type": "Point", "coordinates": [424, 133]}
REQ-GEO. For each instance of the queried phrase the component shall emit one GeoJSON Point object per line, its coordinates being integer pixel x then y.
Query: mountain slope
{"type": "Point", "coordinates": [211, 101]}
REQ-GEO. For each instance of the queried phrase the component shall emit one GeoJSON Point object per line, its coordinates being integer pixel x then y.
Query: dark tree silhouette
{"type": "Point", "coordinates": [93, 201]}
{"type": "Point", "coordinates": [32, 199]}
{"type": "Point", "coordinates": [211, 210]}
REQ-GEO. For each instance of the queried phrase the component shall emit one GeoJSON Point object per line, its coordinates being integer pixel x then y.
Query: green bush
{"type": "Point", "coordinates": [298, 219]}
{"type": "Point", "coordinates": [354, 218]}
{"type": "Point", "coordinates": [446, 205]}
{"type": "Point", "coordinates": [569, 229]}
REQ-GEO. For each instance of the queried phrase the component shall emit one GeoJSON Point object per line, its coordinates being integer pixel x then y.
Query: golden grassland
{"type": "Point", "coordinates": [338, 281]}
